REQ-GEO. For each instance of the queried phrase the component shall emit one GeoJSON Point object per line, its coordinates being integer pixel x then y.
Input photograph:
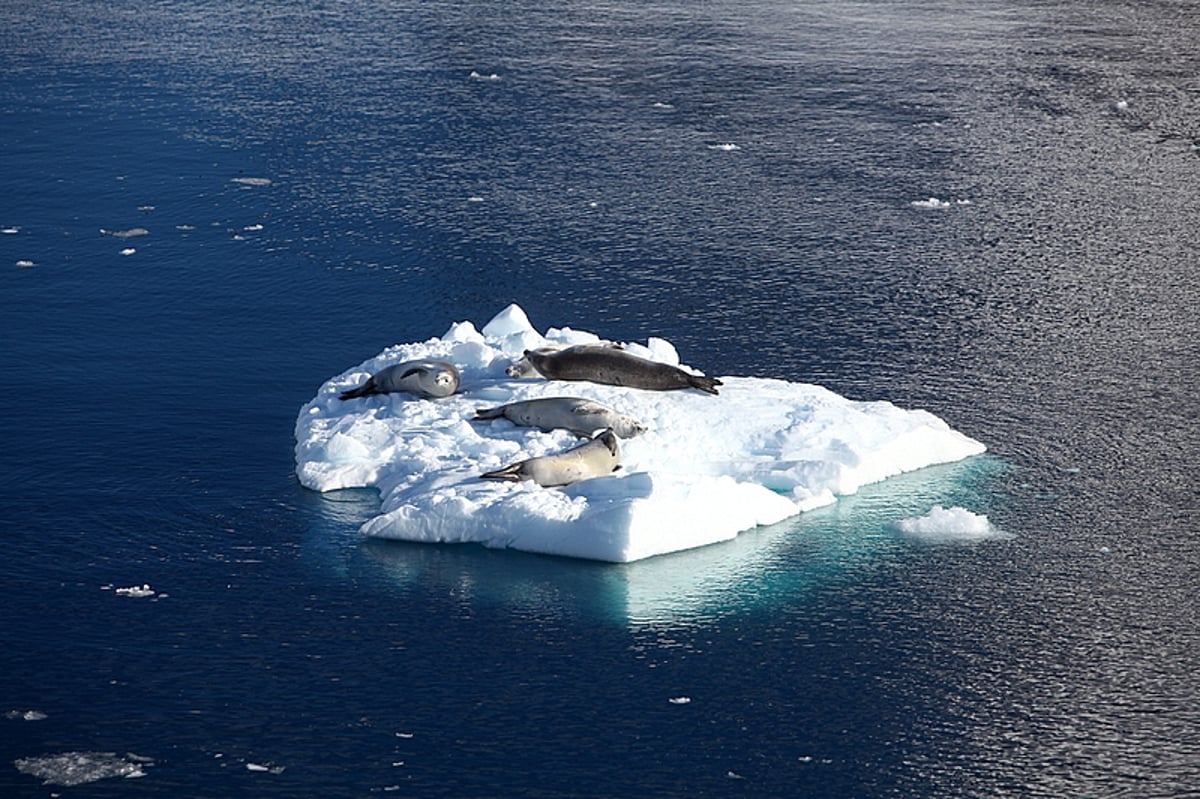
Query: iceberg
{"type": "Point", "coordinates": [707, 467]}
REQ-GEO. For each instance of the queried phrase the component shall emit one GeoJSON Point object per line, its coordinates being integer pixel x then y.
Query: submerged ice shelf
{"type": "Point", "coordinates": [707, 468]}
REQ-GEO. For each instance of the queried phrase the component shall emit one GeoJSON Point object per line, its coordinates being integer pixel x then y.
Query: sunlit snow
{"type": "Point", "coordinates": [707, 468]}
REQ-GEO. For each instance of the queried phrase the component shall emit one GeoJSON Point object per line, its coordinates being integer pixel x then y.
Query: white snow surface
{"type": "Point", "coordinates": [708, 468]}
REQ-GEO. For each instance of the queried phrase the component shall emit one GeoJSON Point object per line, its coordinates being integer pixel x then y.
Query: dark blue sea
{"type": "Point", "coordinates": [988, 210]}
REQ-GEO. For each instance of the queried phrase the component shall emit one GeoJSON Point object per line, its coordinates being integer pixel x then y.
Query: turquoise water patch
{"type": "Point", "coordinates": [762, 568]}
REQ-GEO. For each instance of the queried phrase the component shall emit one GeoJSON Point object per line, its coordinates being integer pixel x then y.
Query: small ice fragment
{"type": "Point", "coordinates": [679, 700]}
{"type": "Point", "coordinates": [932, 203]}
{"type": "Point", "coordinates": [1120, 106]}
{"type": "Point", "coordinates": [128, 251]}
{"type": "Point", "coordinates": [269, 768]}
{"type": "Point", "coordinates": [726, 147]}
{"type": "Point", "coordinates": [131, 233]}
{"type": "Point", "coordinates": [185, 227]}
{"type": "Point", "coordinates": [145, 209]}
{"type": "Point", "coordinates": [397, 763]}
{"type": "Point", "coordinates": [253, 228]}
{"type": "Point", "coordinates": [136, 591]}
{"type": "Point", "coordinates": [252, 181]}
{"type": "Point", "coordinates": [25, 715]}
{"type": "Point", "coordinates": [945, 525]}
{"type": "Point", "coordinates": [10, 230]}
{"type": "Point", "coordinates": [733, 775]}
{"type": "Point", "coordinates": [25, 264]}
{"type": "Point", "coordinates": [404, 735]}
{"type": "Point", "coordinates": [479, 76]}
{"type": "Point", "coordinates": [474, 198]}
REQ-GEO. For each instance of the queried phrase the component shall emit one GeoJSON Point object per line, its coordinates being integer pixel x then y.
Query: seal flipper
{"type": "Point", "coordinates": [489, 413]}
{"type": "Point", "coordinates": [365, 390]}
{"type": "Point", "coordinates": [511, 473]}
{"type": "Point", "coordinates": [706, 384]}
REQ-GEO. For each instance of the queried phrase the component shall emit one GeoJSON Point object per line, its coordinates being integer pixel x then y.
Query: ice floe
{"type": "Point", "coordinates": [707, 467]}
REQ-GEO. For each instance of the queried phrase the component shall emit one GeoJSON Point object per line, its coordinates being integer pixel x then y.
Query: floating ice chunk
{"type": "Point", "coordinates": [1120, 106]}
{"type": "Point", "coordinates": [128, 251]}
{"type": "Point", "coordinates": [932, 203]}
{"type": "Point", "coordinates": [252, 181]}
{"type": "Point", "coordinates": [79, 768]}
{"type": "Point", "coordinates": [136, 591]}
{"type": "Point", "coordinates": [707, 468]}
{"type": "Point", "coordinates": [25, 715]}
{"type": "Point", "coordinates": [253, 228]}
{"type": "Point", "coordinates": [269, 768]}
{"type": "Point", "coordinates": [146, 209]}
{"type": "Point", "coordinates": [726, 147]}
{"type": "Point", "coordinates": [945, 525]}
{"type": "Point", "coordinates": [25, 264]}
{"type": "Point", "coordinates": [680, 700]}
{"type": "Point", "coordinates": [480, 76]}
{"type": "Point", "coordinates": [131, 233]}
{"type": "Point", "coordinates": [10, 230]}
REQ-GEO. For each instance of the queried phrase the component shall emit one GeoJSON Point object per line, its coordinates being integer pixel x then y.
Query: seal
{"type": "Point", "coordinates": [583, 417]}
{"type": "Point", "coordinates": [595, 458]}
{"type": "Point", "coordinates": [425, 378]}
{"type": "Point", "coordinates": [616, 368]}
{"type": "Point", "coordinates": [523, 368]}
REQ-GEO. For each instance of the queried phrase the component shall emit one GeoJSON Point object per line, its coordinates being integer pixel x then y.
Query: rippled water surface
{"type": "Point", "coordinates": [989, 212]}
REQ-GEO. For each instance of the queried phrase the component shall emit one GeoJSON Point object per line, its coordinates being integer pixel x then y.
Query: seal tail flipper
{"type": "Point", "coordinates": [366, 389]}
{"type": "Point", "coordinates": [511, 473]}
{"type": "Point", "coordinates": [706, 384]}
{"type": "Point", "coordinates": [489, 413]}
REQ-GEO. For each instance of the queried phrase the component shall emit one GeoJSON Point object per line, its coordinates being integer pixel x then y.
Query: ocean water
{"type": "Point", "coordinates": [988, 211]}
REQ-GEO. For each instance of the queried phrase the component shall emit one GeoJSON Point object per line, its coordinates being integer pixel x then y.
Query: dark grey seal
{"type": "Point", "coordinates": [615, 368]}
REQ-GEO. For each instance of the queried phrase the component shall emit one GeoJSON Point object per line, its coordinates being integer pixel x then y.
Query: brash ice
{"type": "Point", "coordinates": [706, 467]}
